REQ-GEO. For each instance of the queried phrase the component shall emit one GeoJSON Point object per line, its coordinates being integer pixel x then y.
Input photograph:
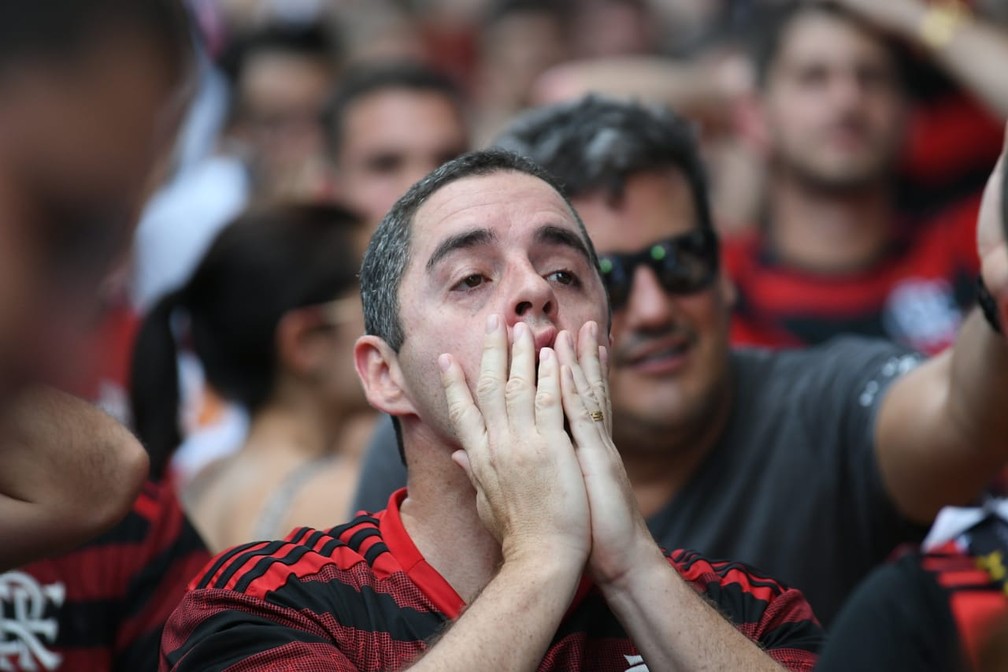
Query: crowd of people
{"type": "Point", "coordinates": [615, 335]}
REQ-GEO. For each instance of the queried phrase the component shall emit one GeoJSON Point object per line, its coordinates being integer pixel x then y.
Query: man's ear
{"type": "Point", "coordinates": [378, 369]}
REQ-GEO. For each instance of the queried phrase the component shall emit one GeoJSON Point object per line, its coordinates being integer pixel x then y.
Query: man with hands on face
{"type": "Point", "coordinates": [487, 328]}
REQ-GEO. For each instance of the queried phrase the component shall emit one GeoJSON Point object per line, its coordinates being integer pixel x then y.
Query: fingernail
{"type": "Point", "coordinates": [593, 329]}
{"type": "Point", "coordinates": [519, 330]}
{"type": "Point", "coordinates": [492, 322]}
{"type": "Point", "coordinates": [444, 361]}
{"type": "Point", "coordinates": [545, 354]}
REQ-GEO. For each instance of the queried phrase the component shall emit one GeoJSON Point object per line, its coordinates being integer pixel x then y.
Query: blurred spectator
{"type": "Point", "coordinates": [271, 312]}
{"type": "Point", "coordinates": [720, 444]}
{"type": "Point", "coordinates": [388, 125]}
{"type": "Point", "coordinates": [91, 94]}
{"type": "Point", "coordinates": [832, 254]}
{"type": "Point", "coordinates": [102, 606]}
{"type": "Point", "coordinates": [519, 40]}
{"type": "Point", "coordinates": [281, 75]}
{"type": "Point", "coordinates": [604, 28]}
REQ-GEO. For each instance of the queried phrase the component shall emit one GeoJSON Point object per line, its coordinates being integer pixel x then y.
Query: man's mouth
{"type": "Point", "coordinates": [664, 356]}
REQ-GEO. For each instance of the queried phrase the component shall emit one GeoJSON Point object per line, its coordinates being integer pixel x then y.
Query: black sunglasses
{"type": "Point", "coordinates": [683, 264]}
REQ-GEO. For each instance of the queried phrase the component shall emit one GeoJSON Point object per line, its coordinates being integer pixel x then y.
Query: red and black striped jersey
{"type": "Point", "coordinates": [916, 296]}
{"type": "Point", "coordinates": [361, 597]}
{"type": "Point", "coordinates": [102, 606]}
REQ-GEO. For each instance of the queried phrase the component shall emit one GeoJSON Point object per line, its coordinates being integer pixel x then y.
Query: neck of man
{"type": "Point", "coordinates": [439, 514]}
{"type": "Point", "coordinates": [828, 230]}
{"type": "Point", "coordinates": [661, 460]}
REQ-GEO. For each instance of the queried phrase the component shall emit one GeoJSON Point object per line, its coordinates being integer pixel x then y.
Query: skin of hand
{"type": "Point", "coordinates": [990, 233]}
{"type": "Point", "coordinates": [620, 538]}
{"type": "Point", "coordinates": [530, 493]}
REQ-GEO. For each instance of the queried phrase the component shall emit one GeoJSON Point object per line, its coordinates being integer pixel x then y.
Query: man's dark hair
{"type": "Point", "coordinates": [60, 30]}
{"type": "Point", "coordinates": [775, 26]}
{"type": "Point", "coordinates": [388, 254]}
{"type": "Point", "coordinates": [310, 41]}
{"type": "Point", "coordinates": [598, 143]}
{"type": "Point", "coordinates": [366, 79]}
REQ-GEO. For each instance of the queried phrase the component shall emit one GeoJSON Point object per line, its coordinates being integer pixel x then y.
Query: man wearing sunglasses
{"type": "Point", "coordinates": [812, 465]}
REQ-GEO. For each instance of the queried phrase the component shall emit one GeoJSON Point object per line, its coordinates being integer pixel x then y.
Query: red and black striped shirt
{"type": "Point", "coordinates": [102, 606]}
{"type": "Point", "coordinates": [916, 296]}
{"type": "Point", "coordinates": [361, 597]}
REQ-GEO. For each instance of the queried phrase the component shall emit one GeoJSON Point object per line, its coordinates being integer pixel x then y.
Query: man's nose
{"type": "Point", "coordinates": [649, 304]}
{"type": "Point", "coordinates": [532, 300]}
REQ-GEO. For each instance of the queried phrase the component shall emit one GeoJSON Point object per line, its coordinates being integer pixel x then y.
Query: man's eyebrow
{"type": "Point", "coordinates": [557, 235]}
{"type": "Point", "coordinates": [460, 241]}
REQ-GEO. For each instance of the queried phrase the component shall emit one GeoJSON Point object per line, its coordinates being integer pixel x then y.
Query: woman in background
{"type": "Point", "coordinates": [271, 312]}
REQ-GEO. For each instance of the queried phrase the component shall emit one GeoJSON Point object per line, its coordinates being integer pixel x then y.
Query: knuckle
{"type": "Point", "coordinates": [515, 387]}
{"type": "Point", "coordinates": [546, 400]}
{"type": "Point", "coordinates": [486, 386]}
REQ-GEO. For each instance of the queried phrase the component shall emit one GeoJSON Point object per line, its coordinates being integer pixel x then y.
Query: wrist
{"type": "Point", "coordinates": [618, 575]}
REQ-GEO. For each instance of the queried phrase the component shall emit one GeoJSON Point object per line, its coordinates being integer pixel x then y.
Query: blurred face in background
{"type": "Point", "coordinates": [281, 96]}
{"type": "Point", "coordinates": [390, 139]}
{"type": "Point", "coordinates": [833, 104]}
{"type": "Point", "coordinates": [78, 142]}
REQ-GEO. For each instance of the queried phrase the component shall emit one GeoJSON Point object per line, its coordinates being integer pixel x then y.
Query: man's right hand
{"type": "Point", "coordinates": [529, 488]}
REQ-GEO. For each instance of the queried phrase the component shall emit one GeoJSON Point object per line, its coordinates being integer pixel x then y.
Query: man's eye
{"type": "Point", "coordinates": [563, 278]}
{"type": "Point", "coordinates": [471, 281]}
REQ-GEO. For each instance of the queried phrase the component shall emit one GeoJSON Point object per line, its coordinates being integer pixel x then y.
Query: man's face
{"type": "Point", "coordinates": [391, 139]}
{"type": "Point", "coordinates": [282, 96]}
{"type": "Point", "coordinates": [833, 105]}
{"type": "Point", "coordinates": [504, 244]}
{"type": "Point", "coordinates": [77, 146]}
{"type": "Point", "coordinates": [669, 360]}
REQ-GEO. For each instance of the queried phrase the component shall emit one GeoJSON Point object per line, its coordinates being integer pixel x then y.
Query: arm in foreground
{"type": "Point", "coordinates": [68, 472]}
{"type": "Point", "coordinates": [941, 429]}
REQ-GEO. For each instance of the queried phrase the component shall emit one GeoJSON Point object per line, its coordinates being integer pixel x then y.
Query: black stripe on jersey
{"type": "Point", "coordinates": [292, 557]}
{"type": "Point", "coordinates": [362, 608]}
{"type": "Point", "coordinates": [367, 521]}
{"type": "Point", "coordinates": [373, 552]}
{"type": "Point", "coordinates": [230, 637]}
{"type": "Point", "coordinates": [331, 546]}
{"type": "Point", "coordinates": [242, 559]}
{"type": "Point", "coordinates": [801, 635]}
{"type": "Point", "coordinates": [222, 560]}
{"type": "Point", "coordinates": [133, 529]}
{"type": "Point", "coordinates": [593, 618]}
{"type": "Point", "coordinates": [145, 583]}
{"type": "Point", "coordinates": [298, 534]}
{"type": "Point", "coordinates": [361, 536]}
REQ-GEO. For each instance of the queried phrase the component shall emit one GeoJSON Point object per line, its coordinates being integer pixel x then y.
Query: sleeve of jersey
{"type": "Point", "coordinates": [775, 617]}
{"type": "Point", "coordinates": [215, 630]}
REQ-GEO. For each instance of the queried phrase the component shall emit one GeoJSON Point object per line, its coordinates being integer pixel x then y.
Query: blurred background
{"type": "Point", "coordinates": [348, 102]}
